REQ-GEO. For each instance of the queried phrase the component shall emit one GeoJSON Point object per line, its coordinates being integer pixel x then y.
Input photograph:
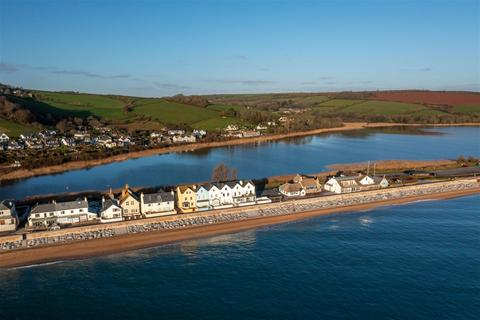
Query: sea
{"type": "Point", "coordinates": [414, 261]}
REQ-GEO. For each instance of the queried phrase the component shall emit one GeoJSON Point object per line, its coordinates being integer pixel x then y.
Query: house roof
{"type": "Point", "coordinates": [43, 207]}
{"type": "Point", "coordinates": [291, 187]}
{"type": "Point", "coordinates": [109, 203]}
{"type": "Point", "coordinates": [126, 192]}
{"type": "Point", "coordinates": [6, 205]}
{"type": "Point", "coordinates": [159, 196]}
{"type": "Point", "coordinates": [185, 188]}
{"type": "Point", "coordinates": [70, 205]}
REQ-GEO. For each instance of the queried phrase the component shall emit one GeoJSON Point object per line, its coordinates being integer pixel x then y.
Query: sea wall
{"type": "Point", "coordinates": [180, 221]}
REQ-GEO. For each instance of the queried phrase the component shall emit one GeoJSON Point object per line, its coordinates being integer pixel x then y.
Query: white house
{"type": "Point", "coordinates": [174, 132]}
{"type": "Point", "coordinates": [8, 216]}
{"type": "Point", "coordinates": [229, 194]}
{"type": "Point", "coordinates": [110, 211]}
{"type": "Point", "coordinates": [4, 138]}
{"type": "Point", "coordinates": [184, 139]}
{"type": "Point", "coordinates": [70, 212]}
{"type": "Point", "coordinates": [157, 204]}
{"type": "Point", "coordinates": [244, 193]}
{"type": "Point", "coordinates": [355, 183]}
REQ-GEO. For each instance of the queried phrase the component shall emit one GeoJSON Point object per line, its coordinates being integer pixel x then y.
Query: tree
{"type": "Point", "coordinates": [220, 173]}
{"type": "Point", "coordinates": [233, 174]}
{"type": "Point", "coordinates": [223, 173]}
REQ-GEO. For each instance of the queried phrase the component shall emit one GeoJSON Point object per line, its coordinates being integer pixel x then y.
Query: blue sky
{"type": "Point", "coordinates": [157, 48]}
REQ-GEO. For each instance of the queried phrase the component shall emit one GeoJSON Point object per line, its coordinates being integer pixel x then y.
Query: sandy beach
{"type": "Point", "coordinates": [100, 247]}
{"type": "Point", "coordinates": [75, 165]}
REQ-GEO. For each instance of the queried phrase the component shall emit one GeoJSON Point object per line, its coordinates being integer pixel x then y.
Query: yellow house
{"type": "Point", "coordinates": [130, 203]}
{"type": "Point", "coordinates": [186, 198]}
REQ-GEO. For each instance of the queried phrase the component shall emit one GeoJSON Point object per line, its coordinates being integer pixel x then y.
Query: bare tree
{"type": "Point", "coordinates": [223, 173]}
{"type": "Point", "coordinates": [233, 174]}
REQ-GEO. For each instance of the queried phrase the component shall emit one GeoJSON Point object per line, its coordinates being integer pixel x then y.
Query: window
{"type": "Point", "coordinates": [71, 211]}
{"type": "Point", "coordinates": [81, 210]}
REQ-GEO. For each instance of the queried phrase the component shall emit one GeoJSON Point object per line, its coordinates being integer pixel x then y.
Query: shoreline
{"type": "Point", "coordinates": [77, 165]}
{"type": "Point", "coordinates": [123, 243]}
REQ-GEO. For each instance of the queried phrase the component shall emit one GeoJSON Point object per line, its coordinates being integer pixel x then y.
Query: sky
{"type": "Point", "coordinates": [167, 47]}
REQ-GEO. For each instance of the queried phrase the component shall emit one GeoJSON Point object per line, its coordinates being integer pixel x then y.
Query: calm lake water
{"type": "Point", "coordinates": [417, 261]}
{"type": "Point", "coordinates": [306, 155]}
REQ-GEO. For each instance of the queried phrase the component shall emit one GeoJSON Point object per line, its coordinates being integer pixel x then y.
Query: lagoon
{"type": "Point", "coordinates": [306, 154]}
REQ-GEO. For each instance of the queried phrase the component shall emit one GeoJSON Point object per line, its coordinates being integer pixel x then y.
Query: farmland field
{"type": "Point", "coordinates": [173, 112]}
{"type": "Point", "coordinates": [71, 103]}
{"type": "Point", "coordinates": [215, 123]}
{"type": "Point", "coordinates": [384, 108]}
{"type": "Point", "coordinates": [431, 97]}
{"type": "Point", "coordinates": [340, 103]}
{"type": "Point", "coordinates": [14, 129]}
{"type": "Point", "coordinates": [466, 109]}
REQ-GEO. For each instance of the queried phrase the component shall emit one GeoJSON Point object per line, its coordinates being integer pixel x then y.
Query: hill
{"type": "Point", "coordinates": [22, 110]}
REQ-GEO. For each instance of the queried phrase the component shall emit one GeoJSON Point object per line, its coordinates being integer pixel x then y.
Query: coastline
{"type": "Point", "coordinates": [123, 243]}
{"type": "Point", "coordinates": [76, 165]}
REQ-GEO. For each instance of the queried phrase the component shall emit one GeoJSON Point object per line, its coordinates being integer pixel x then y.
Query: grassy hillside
{"type": "Point", "coordinates": [137, 113]}
{"type": "Point", "coordinates": [105, 107]}
{"type": "Point", "coordinates": [383, 108]}
{"type": "Point", "coordinates": [13, 129]}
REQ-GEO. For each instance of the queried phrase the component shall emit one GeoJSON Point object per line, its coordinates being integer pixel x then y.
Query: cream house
{"type": "Point", "coordinates": [130, 203]}
{"type": "Point", "coordinates": [186, 198]}
{"type": "Point", "coordinates": [8, 216]}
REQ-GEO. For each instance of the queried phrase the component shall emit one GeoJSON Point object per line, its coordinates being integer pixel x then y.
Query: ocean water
{"type": "Point", "coordinates": [415, 261]}
{"type": "Point", "coordinates": [307, 155]}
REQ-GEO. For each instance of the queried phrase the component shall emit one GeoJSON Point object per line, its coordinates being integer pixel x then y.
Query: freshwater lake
{"type": "Point", "coordinates": [305, 155]}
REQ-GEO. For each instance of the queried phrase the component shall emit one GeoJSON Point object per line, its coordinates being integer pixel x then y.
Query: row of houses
{"type": "Point", "coordinates": [192, 198]}
{"type": "Point", "coordinates": [302, 185]}
{"type": "Point", "coordinates": [130, 205]}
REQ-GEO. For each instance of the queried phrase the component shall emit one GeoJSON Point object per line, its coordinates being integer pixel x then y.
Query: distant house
{"type": "Point", "coordinates": [130, 203]}
{"type": "Point", "coordinates": [292, 189]}
{"type": "Point", "coordinates": [249, 134]}
{"type": "Point", "coordinates": [355, 183]}
{"type": "Point", "coordinates": [176, 132]}
{"type": "Point", "coordinates": [198, 133]}
{"type": "Point", "coordinates": [186, 198]}
{"type": "Point", "coordinates": [157, 204]}
{"type": "Point", "coordinates": [8, 216]}
{"type": "Point", "coordinates": [110, 211]}
{"type": "Point", "coordinates": [4, 138]}
{"type": "Point", "coordinates": [342, 184]}
{"type": "Point", "coordinates": [311, 184]}
{"type": "Point", "coordinates": [184, 139]}
{"type": "Point", "coordinates": [231, 127]}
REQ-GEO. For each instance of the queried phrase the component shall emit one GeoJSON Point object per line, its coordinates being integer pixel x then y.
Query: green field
{"type": "Point", "coordinates": [13, 129]}
{"type": "Point", "coordinates": [340, 103]}
{"type": "Point", "coordinates": [173, 112]}
{"type": "Point", "coordinates": [383, 108]}
{"type": "Point", "coordinates": [467, 109]}
{"type": "Point", "coordinates": [108, 108]}
{"type": "Point", "coordinates": [215, 123]}
{"type": "Point", "coordinates": [313, 99]}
